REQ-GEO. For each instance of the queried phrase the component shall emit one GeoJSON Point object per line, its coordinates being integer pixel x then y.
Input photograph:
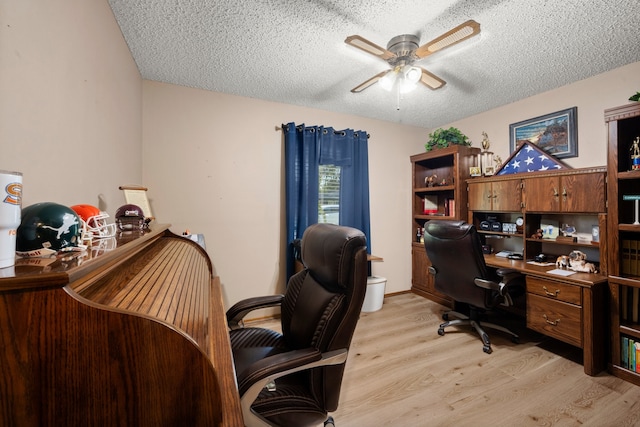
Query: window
{"type": "Point", "coordinates": [329, 194]}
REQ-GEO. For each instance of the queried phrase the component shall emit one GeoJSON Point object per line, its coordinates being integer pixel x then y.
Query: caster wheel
{"type": "Point", "coordinates": [487, 349]}
{"type": "Point", "coordinates": [441, 331]}
{"type": "Point", "coordinates": [515, 340]}
{"type": "Point", "coordinates": [445, 316]}
{"type": "Point", "coordinates": [329, 422]}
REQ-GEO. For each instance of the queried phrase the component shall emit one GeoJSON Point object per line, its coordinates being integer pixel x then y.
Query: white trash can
{"type": "Point", "coordinates": [374, 296]}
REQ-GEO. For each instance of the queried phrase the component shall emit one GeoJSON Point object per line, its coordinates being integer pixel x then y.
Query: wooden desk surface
{"type": "Point", "coordinates": [583, 279]}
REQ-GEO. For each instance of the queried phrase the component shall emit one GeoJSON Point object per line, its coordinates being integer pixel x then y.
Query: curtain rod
{"type": "Point", "coordinates": [280, 128]}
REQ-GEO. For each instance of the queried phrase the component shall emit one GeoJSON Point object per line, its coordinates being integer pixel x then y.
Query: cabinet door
{"type": "Point", "coordinates": [542, 194]}
{"type": "Point", "coordinates": [583, 193]}
{"type": "Point", "coordinates": [480, 196]}
{"type": "Point", "coordinates": [506, 195]}
{"type": "Point", "coordinates": [420, 275]}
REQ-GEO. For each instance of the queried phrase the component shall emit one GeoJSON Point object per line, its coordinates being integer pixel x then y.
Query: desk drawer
{"type": "Point", "coordinates": [555, 290]}
{"type": "Point", "coordinates": [556, 319]}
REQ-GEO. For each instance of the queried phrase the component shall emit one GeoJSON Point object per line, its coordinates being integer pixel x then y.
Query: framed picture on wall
{"type": "Point", "coordinates": [555, 133]}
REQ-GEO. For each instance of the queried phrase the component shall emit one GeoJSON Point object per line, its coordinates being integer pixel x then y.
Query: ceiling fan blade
{"type": "Point", "coordinates": [431, 80]}
{"type": "Point", "coordinates": [366, 84]}
{"type": "Point", "coordinates": [369, 47]}
{"type": "Point", "coordinates": [456, 35]}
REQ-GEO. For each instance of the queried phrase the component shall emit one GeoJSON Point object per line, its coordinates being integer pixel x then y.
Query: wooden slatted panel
{"type": "Point", "coordinates": [170, 281]}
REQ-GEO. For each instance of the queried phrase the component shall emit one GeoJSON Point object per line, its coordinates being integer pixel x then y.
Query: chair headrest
{"type": "Point", "coordinates": [446, 229]}
{"type": "Point", "coordinates": [328, 251]}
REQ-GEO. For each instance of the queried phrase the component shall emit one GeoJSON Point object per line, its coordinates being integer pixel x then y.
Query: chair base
{"type": "Point", "coordinates": [474, 321]}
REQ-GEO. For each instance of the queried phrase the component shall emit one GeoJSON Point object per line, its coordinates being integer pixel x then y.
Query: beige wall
{"type": "Point", "coordinates": [70, 104]}
{"type": "Point", "coordinates": [592, 96]}
{"type": "Point", "coordinates": [213, 165]}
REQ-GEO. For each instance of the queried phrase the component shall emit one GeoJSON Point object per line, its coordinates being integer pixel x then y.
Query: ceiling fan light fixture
{"type": "Point", "coordinates": [407, 86]}
{"type": "Point", "coordinates": [412, 74]}
{"type": "Point", "coordinates": [388, 80]}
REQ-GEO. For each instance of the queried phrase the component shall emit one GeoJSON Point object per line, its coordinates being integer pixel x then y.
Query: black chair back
{"type": "Point", "coordinates": [455, 251]}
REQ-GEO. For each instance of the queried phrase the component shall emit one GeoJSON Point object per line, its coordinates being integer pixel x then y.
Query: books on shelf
{"type": "Point", "coordinates": [450, 207]}
{"type": "Point", "coordinates": [629, 304]}
{"type": "Point", "coordinates": [630, 257]}
{"type": "Point", "coordinates": [630, 354]}
{"type": "Point", "coordinates": [430, 205]}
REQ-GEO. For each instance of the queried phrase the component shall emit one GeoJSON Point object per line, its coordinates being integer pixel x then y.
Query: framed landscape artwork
{"type": "Point", "coordinates": [555, 133]}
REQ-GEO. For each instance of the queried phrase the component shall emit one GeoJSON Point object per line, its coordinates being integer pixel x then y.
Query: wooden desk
{"type": "Point", "coordinates": [133, 335]}
{"type": "Point", "coordinates": [569, 308]}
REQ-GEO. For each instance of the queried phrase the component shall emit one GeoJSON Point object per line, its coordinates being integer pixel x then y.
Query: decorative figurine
{"type": "Point", "coordinates": [635, 154]}
{"type": "Point", "coordinates": [485, 141]}
{"type": "Point", "coordinates": [487, 156]}
{"type": "Point", "coordinates": [498, 161]}
{"type": "Point", "coordinates": [537, 234]}
{"type": "Point", "coordinates": [430, 181]}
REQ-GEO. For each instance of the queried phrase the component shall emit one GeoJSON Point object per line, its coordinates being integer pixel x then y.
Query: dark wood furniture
{"type": "Point", "coordinates": [450, 167]}
{"type": "Point", "coordinates": [135, 335]}
{"type": "Point", "coordinates": [623, 127]}
{"type": "Point", "coordinates": [575, 196]}
{"type": "Point", "coordinates": [569, 308]}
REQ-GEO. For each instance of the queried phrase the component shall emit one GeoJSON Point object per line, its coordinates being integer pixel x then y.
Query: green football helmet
{"type": "Point", "coordinates": [47, 228]}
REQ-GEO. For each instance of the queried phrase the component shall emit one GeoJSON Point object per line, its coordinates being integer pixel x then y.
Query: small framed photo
{"type": "Point", "coordinates": [595, 233]}
{"type": "Point", "coordinates": [549, 231]}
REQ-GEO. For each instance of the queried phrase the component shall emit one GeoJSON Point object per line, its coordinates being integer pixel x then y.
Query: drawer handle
{"type": "Point", "coordinates": [551, 294]}
{"type": "Point", "coordinates": [554, 323]}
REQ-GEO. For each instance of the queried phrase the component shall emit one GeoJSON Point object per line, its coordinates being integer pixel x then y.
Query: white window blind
{"type": "Point", "coordinates": [329, 194]}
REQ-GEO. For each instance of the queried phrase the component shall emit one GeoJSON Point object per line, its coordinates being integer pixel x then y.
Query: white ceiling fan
{"type": "Point", "coordinates": [401, 53]}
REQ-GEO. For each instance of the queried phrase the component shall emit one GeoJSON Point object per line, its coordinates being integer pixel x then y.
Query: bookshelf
{"type": "Point", "coordinates": [623, 231]}
{"type": "Point", "coordinates": [439, 192]}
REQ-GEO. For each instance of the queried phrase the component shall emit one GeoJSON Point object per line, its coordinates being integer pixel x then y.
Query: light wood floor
{"type": "Point", "coordinates": [400, 372]}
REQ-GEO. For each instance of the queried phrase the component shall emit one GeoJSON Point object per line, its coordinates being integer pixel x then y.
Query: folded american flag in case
{"type": "Point", "coordinates": [528, 157]}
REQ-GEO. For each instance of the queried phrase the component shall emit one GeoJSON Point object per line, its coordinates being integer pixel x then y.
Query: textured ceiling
{"type": "Point", "coordinates": [293, 52]}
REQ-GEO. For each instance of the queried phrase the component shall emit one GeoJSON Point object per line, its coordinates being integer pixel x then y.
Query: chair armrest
{"type": "Point", "coordinates": [267, 370]}
{"type": "Point", "coordinates": [239, 310]}
{"type": "Point", "coordinates": [487, 284]}
{"type": "Point", "coordinates": [503, 272]}
{"type": "Point", "coordinates": [508, 277]}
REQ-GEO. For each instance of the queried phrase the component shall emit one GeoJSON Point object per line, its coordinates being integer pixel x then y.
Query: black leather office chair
{"type": "Point", "coordinates": [294, 378]}
{"type": "Point", "coordinates": [459, 270]}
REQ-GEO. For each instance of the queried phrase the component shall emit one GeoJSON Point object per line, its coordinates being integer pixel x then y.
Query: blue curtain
{"type": "Point", "coordinates": [305, 149]}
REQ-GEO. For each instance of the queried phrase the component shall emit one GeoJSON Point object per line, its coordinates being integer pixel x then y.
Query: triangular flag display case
{"type": "Point", "coordinates": [528, 157]}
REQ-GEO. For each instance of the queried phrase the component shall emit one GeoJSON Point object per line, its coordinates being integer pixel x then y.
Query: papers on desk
{"type": "Point", "coordinates": [504, 254]}
{"type": "Point", "coordinates": [561, 272]}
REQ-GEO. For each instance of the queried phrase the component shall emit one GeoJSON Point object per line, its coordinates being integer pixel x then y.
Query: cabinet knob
{"type": "Point", "coordinates": [555, 193]}
{"type": "Point", "coordinates": [564, 194]}
{"type": "Point", "coordinates": [551, 294]}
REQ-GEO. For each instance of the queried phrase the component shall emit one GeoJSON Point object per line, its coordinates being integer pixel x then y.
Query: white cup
{"type": "Point", "coordinates": [10, 207]}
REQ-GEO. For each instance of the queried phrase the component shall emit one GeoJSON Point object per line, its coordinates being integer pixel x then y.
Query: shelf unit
{"type": "Point", "coordinates": [623, 126]}
{"type": "Point", "coordinates": [448, 169]}
{"type": "Point", "coordinates": [538, 199]}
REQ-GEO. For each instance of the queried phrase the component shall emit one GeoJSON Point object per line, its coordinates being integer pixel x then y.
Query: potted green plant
{"type": "Point", "coordinates": [635, 97]}
{"type": "Point", "coordinates": [441, 138]}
